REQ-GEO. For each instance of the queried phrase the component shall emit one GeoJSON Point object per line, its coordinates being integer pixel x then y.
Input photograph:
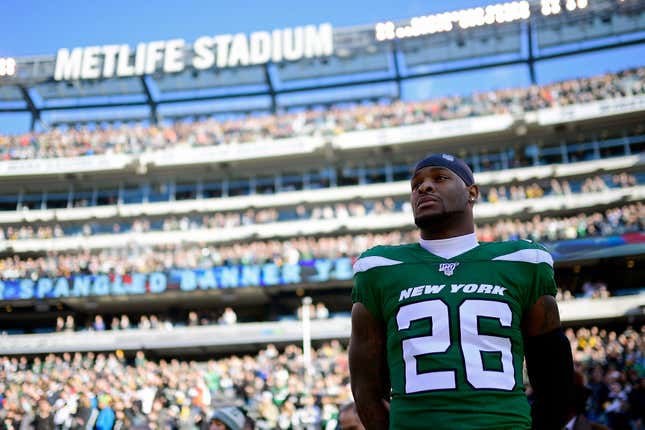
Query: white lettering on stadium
{"type": "Point", "coordinates": [172, 56]}
{"type": "Point", "coordinates": [454, 288]}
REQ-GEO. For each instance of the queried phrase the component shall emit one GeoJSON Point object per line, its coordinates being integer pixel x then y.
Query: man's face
{"type": "Point", "coordinates": [44, 406]}
{"type": "Point", "coordinates": [437, 193]}
{"type": "Point", "coordinates": [349, 420]}
{"type": "Point", "coordinates": [217, 425]}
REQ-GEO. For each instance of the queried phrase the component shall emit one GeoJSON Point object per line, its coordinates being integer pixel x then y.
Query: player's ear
{"type": "Point", "coordinates": [473, 193]}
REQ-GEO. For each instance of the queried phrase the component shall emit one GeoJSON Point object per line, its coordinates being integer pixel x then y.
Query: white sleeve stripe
{"type": "Point", "coordinates": [366, 263]}
{"type": "Point", "coordinates": [534, 256]}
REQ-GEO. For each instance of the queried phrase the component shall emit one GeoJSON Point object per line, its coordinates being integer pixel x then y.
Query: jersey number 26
{"type": "Point", "coordinates": [472, 344]}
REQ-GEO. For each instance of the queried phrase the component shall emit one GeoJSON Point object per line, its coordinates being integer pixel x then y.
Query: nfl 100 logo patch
{"type": "Point", "coordinates": [448, 268]}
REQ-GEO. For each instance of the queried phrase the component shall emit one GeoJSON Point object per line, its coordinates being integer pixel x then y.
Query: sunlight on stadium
{"type": "Point", "coordinates": [304, 225]}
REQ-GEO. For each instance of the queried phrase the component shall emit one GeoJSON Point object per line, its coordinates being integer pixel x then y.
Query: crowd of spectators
{"type": "Point", "coordinates": [137, 139]}
{"type": "Point", "coordinates": [228, 316]}
{"type": "Point", "coordinates": [216, 220]}
{"type": "Point", "coordinates": [67, 324]}
{"type": "Point", "coordinates": [339, 210]}
{"type": "Point", "coordinates": [99, 323]}
{"type": "Point", "coordinates": [76, 390]}
{"type": "Point", "coordinates": [596, 289]}
{"type": "Point", "coordinates": [137, 258]}
{"type": "Point", "coordinates": [618, 220]}
{"type": "Point", "coordinates": [613, 365]}
{"type": "Point", "coordinates": [276, 388]}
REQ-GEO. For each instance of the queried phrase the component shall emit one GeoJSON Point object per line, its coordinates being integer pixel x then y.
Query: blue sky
{"type": "Point", "coordinates": [41, 27]}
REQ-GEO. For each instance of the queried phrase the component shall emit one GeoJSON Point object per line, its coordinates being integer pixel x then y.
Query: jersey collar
{"type": "Point", "coordinates": [451, 247]}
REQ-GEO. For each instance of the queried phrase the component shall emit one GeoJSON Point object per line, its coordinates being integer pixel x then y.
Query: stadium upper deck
{"type": "Point", "coordinates": [578, 120]}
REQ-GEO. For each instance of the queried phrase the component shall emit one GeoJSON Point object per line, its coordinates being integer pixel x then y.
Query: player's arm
{"type": "Point", "coordinates": [549, 364]}
{"type": "Point", "coordinates": [368, 369]}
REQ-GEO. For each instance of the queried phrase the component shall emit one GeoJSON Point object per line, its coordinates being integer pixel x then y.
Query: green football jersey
{"type": "Point", "coordinates": [454, 342]}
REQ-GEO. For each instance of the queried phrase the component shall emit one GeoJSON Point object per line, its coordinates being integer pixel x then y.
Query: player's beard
{"type": "Point", "coordinates": [439, 220]}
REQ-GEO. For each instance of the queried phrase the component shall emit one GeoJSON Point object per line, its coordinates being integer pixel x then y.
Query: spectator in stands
{"type": "Point", "coordinates": [154, 322]}
{"type": "Point", "coordinates": [99, 324]}
{"type": "Point", "coordinates": [312, 311]}
{"type": "Point", "coordinates": [556, 188]}
{"type": "Point", "coordinates": [69, 323]}
{"type": "Point", "coordinates": [493, 195]}
{"type": "Point", "coordinates": [121, 419]}
{"type": "Point", "coordinates": [124, 322]}
{"type": "Point", "coordinates": [348, 418]}
{"type": "Point", "coordinates": [230, 418]}
{"type": "Point", "coordinates": [566, 188]}
{"type": "Point", "coordinates": [595, 289]}
{"type": "Point", "coordinates": [144, 322]}
{"type": "Point", "coordinates": [624, 180]}
{"type": "Point", "coordinates": [534, 191]}
{"type": "Point", "coordinates": [64, 408]}
{"type": "Point", "coordinates": [618, 408]}
{"type": "Point", "coordinates": [229, 317]}
{"type": "Point", "coordinates": [594, 185]}
{"type": "Point", "coordinates": [321, 313]}
{"type": "Point", "coordinates": [563, 295]}
{"type": "Point", "coordinates": [137, 418]}
{"type": "Point", "coordinates": [115, 325]}
{"type": "Point", "coordinates": [193, 319]}
{"type": "Point", "coordinates": [60, 324]}
{"type": "Point", "coordinates": [84, 417]}
{"type": "Point", "coordinates": [44, 419]}
{"type": "Point", "coordinates": [14, 418]}
{"type": "Point", "coordinates": [269, 411]}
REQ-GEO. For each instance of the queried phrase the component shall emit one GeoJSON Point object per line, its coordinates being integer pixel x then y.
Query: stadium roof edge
{"type": "Point", "coordinates": [366, 61]}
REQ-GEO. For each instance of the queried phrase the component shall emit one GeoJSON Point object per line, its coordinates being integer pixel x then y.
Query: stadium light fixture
{"type": "Point", "coordinates": [572, 5]}
{"type": "Point", "coordinates": [7, 66]}
{"type": "Point", "coordinates": [443, 22]}
{"type": "Point", "coordinates": [550, 7]}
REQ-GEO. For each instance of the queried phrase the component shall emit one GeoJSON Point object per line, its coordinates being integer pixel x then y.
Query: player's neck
{"type": "Point", "coordinates": [446, 232]}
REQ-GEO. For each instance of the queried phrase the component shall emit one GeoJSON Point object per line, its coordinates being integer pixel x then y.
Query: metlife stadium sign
{"type": "Point", "coordinates": [173, 56]}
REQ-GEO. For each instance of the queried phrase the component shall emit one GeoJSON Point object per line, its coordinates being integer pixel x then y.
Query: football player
{"type": "Point", "coordinates": [441, 328]}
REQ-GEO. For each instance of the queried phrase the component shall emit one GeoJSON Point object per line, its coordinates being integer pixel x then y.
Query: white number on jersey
{"type": "Point", "coordinates": [472, 344]}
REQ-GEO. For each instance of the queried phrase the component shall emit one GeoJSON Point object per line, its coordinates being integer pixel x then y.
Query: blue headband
{"type": "Point", "coordinates": [450, 162]}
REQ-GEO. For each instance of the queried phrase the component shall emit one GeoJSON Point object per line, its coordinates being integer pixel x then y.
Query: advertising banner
{"type": "Point", "coordinates": [256, 275]}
